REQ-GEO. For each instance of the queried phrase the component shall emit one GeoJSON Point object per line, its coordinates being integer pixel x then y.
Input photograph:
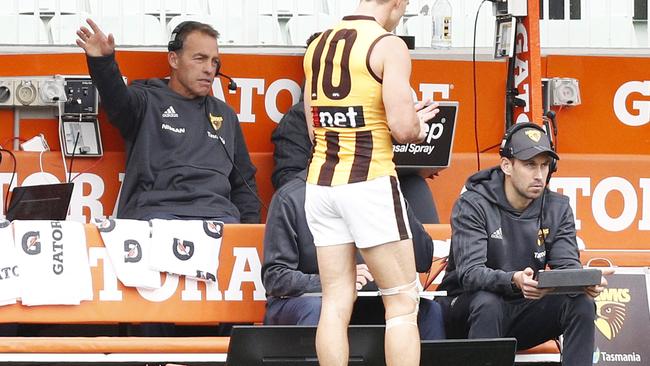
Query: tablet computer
{"type": "Point", "coordinates": [41, 202]}
{"type": "Point", "coordinates": [568, 281]}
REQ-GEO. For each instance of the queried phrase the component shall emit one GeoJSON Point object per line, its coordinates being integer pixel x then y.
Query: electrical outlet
{"type": "Point", "coordinates": [26, 92]}
{"type": "Point", "coordinates": [51, 91]}
{"type": "Point", "coordinates": [6, 93]}
{"type": "Point", "coordinates": [565, 92]}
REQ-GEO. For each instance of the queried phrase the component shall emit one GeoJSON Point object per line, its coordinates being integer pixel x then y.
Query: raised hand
{"type": "Point", "coordinates": [95, 43]}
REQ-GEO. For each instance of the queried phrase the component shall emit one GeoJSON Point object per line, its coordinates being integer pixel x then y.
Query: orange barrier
{"type": "Point", "coordinates": [238, 295]}
{"type": "Point", "coordinates": [114, 345]}
{"type": "Point", "coordinates": [609, 193]}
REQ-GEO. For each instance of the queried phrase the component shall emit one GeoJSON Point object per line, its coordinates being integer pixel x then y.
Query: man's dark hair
{"type": "Point", "coordinates": [312, 38]}
{"type": "Point", "coordinates": [183, 29]}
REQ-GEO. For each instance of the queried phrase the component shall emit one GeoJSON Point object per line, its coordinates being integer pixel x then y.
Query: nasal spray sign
{"type": "Point", "coordinates": [434, 153]}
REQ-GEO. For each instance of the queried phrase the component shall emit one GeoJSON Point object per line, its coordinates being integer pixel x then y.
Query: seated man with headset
{"type": "Point", "coordinates": [505, 228]}
{"type": "Point", "coordinates": [186, 157]}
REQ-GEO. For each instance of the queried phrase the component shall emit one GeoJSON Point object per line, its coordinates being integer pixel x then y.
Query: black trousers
{"type": "Point", "coordinates": [485, 314]}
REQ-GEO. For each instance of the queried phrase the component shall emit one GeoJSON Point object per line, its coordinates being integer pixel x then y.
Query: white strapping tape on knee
{"type": "Point", "coordinates": [411, 289]}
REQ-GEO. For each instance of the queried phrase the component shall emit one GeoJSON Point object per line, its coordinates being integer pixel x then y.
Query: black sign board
{"type": "Point", "coordinates": [434, 153]}
{"type": "Point", "coordinates": [623, 320]}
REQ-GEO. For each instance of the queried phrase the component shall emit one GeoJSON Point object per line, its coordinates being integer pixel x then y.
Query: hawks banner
{"type": "Point", "coordinates": [622, 315]}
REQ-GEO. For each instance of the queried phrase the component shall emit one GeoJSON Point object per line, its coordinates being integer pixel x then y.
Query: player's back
{"type": "Point", "coordinates": [352, 139]}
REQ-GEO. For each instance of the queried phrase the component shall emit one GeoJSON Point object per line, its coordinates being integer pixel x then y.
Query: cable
{"type": "Point", "coordinates": [11, 181]}
{"type": "Point", "coordinates": [207, 115]}
{"type": "Point", "coordinates": [40, 164]}
{"type": "Point", "coordinates": [478, 156]}
{"type": "Point", "coordinates": [74, 148]}
{"type": "Point", "coordinates": [88, 168]}
{"type": "Point", "coordinates": [61, 138]}
{"type": "Point", "coordinates": [490, 147]}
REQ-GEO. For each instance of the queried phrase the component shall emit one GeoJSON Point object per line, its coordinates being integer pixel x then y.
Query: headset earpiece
{"type": "Point", "coordinates": [505, 150]}
{"type": "Point", "coordinates": [176, 41]}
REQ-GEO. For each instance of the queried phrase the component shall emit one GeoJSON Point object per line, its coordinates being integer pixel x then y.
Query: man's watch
{"type": "Point", "coordinates": [513, 285]}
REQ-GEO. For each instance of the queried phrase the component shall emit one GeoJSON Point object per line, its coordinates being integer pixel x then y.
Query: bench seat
{"type": "Point", "coordinates": [114, 344]}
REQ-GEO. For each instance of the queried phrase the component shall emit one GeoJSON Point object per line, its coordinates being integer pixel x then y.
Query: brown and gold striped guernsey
{"type": "Point", "coordinates": [352, 140]}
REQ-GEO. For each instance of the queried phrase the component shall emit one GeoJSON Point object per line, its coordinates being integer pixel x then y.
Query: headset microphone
{"type": "Point", "coordinates": [232, 85]}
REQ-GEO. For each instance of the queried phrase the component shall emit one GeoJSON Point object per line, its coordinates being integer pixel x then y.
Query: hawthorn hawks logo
{"type": "Point", "coordinates": [216, 121]}
{"type": "Point", "coordinates": [104, 225]}
{"type": "Point", "coordinates": [611, 311]}
{"type": "Point", "coordinates": [534, 134]}
{"type": "Point", "coordinates": [541, 236]}
{"type": "Point", "coordinates": [213, 229]}
{"type": "Point", "coordinates": [30, 243]}
{"type": "Point", "coordinates": [610, 318]}
{"type": "Point", "coordinates": [183, 249]}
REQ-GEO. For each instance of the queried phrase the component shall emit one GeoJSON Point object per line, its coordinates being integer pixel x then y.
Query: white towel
{"type": "Point", "coordinates": [187, 247]}
{"type": "Point", "coordinates": [53, 262]}
{"type": "Point", "coordinates": [128, 243]}
{"type": "Point", "coordinates": [9, 271]}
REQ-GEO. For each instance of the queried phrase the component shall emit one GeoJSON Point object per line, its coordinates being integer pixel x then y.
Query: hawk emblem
{"type": "Point", "coordinates": [534, 134]}
{"type": "Point", "coordinates": [610, 318]}
{"type": "Point", "coordinates": [216, 121]}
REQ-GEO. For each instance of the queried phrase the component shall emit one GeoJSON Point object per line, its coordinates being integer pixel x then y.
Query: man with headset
{"type": "Point", "coordinates": [186, 154]}
{"type": "Point", "coordinates": [505, 228]}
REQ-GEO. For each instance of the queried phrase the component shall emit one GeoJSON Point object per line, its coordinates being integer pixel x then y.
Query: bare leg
{"type": "Point", "coordinates": [393, 265]}
{"type": "Point", "coordinates": [337, 268]}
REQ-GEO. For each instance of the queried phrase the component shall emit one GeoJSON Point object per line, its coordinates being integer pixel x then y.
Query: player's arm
{"type": "Point", "coordinates": [308, 115]}
{"type": "Point", "coordinates": [390, 60]}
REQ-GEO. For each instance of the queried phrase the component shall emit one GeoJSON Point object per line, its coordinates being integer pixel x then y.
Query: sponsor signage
{"type": "Point", "coordinates": [434, 153]}
{"type": "Point", "coordinates": [623, 320]}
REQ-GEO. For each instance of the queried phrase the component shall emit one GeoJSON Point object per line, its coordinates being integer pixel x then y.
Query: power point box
{"type": "Point", "coordinates": [81, 96]}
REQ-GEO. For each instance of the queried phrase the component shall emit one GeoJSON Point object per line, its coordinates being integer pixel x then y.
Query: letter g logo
{"type": "Point", "coordinates": [31, 243]}
{"type": "Point", "coordinates": [642, 106]}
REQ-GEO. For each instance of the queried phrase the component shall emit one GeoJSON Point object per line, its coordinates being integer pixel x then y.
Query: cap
{"type": "Point", "coordinates": [529, 142]}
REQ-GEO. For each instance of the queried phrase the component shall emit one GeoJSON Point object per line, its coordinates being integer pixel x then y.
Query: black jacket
{"type": "Point", "coordinates": [491, 240]}
{"type": "Point", "coordinates": [292, 146]}
{"type": "Point", "coordinates": [290, 265]}
{"type": "Point", "coordinates": [176, 161]}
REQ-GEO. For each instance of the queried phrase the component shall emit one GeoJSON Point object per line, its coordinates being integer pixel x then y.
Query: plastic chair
{"type": "Point", "coordinates": [230, 29]}
{"type": "Point", "coordinates": [63, 28]}
{"type": "Point", "coordinates": [269, 31]}
{"type": "Point", "coordinates": [50, 6]}
{"type": "Point", "coordinates": [22, 29]}
{"type": "Point", "coordinates": [302, 26]}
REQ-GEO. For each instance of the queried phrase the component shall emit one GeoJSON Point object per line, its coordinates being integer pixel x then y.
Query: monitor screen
{"type": "Point", "coordinates": [295, 345]}
{"type": "Point", "coordinates": [463, 352]}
